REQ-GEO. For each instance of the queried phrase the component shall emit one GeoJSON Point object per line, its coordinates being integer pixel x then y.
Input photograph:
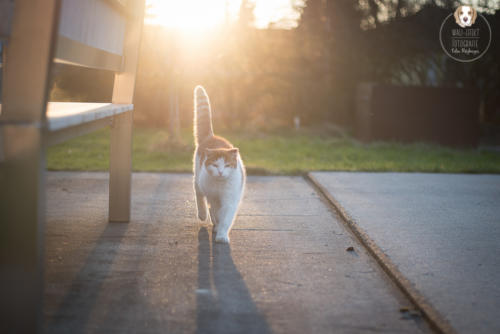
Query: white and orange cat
{"type": "Point", "coordinates": [219, 174]}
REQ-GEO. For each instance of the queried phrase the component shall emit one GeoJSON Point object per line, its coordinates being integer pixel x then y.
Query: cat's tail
{"type": "Point", "coordinates": [202, 115]}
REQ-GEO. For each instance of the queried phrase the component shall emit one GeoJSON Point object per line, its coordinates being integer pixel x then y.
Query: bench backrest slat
{"type": "Point", "coordinates": [92, 32]}
{"type": "Point", "coordinates": [69, 51]}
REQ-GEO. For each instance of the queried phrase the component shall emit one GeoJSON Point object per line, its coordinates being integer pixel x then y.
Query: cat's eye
{"type": "Point", "coordinates": [228, 165]}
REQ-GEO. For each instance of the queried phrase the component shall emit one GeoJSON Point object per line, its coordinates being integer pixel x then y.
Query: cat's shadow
{"type": "Point", "coordinates": [224, 304]}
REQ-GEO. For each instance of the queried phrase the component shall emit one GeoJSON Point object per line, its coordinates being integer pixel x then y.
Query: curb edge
{"type": "Point", "coordinates": [433, 317]}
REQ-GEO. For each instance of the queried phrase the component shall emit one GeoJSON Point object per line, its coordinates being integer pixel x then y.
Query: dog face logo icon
{"type": "Point", "coordinates": [470, 40]}
{"type": "Point", "coordinates": [465, 16]}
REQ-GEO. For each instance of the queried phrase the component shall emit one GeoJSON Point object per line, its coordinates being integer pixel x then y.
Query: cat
{"type": "Point", "coordinates": [219, 173]}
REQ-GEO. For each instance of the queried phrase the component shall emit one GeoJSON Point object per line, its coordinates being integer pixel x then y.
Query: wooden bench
{"type": "Point", "coordinates": [102, 34]}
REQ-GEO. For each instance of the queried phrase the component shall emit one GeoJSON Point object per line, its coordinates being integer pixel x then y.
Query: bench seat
{"type": "Point", "coordinates": [67, 114]}
{"type": "Point", "coordinates": [66, 120]}
{"type": "Point", "coordinates": [61, 115]}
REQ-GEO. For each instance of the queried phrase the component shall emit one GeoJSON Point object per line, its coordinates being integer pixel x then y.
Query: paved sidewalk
{"type": "Point", "coordinates": [287, 270]}
{"type": "Point", "coordinates": [441, 231]}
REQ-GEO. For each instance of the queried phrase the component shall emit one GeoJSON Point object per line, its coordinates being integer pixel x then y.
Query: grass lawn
{"type": "Point", "coordinates": [275, 154]}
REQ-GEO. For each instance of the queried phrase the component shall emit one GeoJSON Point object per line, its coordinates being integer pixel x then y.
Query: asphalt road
{"type": "Point", "coordinates": [287, 269]}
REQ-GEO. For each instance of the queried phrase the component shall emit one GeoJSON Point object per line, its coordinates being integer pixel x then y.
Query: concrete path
{"type": "Point", "coordinates": [287, 270]}
{"type": "Point", "coordinates": [441, 232]}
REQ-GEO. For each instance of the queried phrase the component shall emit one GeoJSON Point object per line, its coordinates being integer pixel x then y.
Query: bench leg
{"type": "Point", "coordinates": [22, 210]}
{"type": "Point", "coordinates": [120, 168]}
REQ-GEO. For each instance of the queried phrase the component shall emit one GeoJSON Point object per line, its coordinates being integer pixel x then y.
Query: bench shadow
{"type": "Point", "coordinates": [224, 304]}
{"type": "Point", "coordinates": [81, 296]}
{"type": "Point", "coordinates": [80, 310]}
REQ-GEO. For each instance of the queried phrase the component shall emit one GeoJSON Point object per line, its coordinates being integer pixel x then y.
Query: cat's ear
{"type": "Point", "coordinates": [234, 151]}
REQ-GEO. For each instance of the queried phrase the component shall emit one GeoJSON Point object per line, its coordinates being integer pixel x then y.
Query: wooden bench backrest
{"type": "Point", "coordinates": [92, 33]}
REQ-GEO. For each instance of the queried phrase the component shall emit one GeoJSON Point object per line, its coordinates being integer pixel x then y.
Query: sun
{"type": "Point", "coordinates": [191, 14]}
{"type": "Point", "coordinates": [201, 15]}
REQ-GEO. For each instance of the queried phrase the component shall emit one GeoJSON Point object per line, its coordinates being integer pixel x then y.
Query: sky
{"type": "Point", "coordinates": [204, 14]}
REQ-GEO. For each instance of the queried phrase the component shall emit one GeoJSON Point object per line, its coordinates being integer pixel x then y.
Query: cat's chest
{"type": "Point", "coordinates": [212, 187]}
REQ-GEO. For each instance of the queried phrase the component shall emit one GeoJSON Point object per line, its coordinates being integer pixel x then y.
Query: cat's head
{"type": "Point", "coordinates": [221, 162]}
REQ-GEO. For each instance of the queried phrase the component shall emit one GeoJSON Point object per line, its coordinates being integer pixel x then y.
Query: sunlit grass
{"type": "Point", "coordinates": [275, 154]}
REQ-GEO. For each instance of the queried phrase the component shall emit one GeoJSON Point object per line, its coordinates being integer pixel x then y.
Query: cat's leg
{"type": "Point", "coordinates": [225, 220]}
{"type": "Point", "coordinates": [214, 211]}
{"type": "Point", "coordinates": [213, 217]}
{"type": "Point", "coordinates": [201, 204]}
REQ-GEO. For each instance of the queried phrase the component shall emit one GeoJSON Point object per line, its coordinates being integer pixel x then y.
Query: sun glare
{"type": "Point", "coordinates": [196, 15]}
{"type": "Point", "coordinates": [280, 11]}
{"type": "Point", "coordinates": [191, 14]}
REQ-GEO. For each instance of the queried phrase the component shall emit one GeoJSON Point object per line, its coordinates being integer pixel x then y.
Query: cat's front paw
{"type": "Point", "coordinates": [222, 239]}
{"type": "Point", "coordinates": [202, 215]}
